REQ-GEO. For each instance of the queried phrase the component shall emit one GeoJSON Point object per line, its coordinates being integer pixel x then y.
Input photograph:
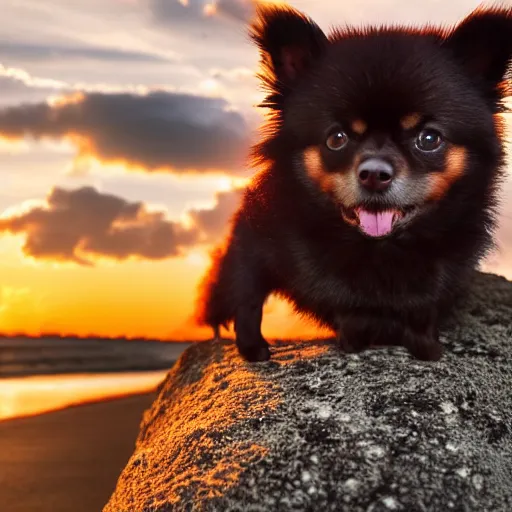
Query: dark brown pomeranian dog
{"type": "Point", "coordinates": [378, 193]}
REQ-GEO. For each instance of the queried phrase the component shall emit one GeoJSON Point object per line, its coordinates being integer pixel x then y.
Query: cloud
{"type": "Point", "coordinates": [214, 222]}
{"type": "Point", "coordinates": [14, 91]}
{"type": "Point", "coordinates": [203, 15]}
{"type": "Point", "coordinates": [17, 79]}
{"type": "Point", "coordinates": [177, 10]}
{"type": "Point", "coordinates": [181, 11]}
{"type": "Point", "coordinates": [21, 76]}
{"type": "Point", "coordinates": [240, 10]}
{"type": "Point", "coordinates": [155, 131]}
{"type": "Point", "coordinates": [77, 225]}
{"type": "Point", "coordinates": [19, 86]}
{"type": "Point", "coordinates": [238, 75]}
{"type": "Point", "coordinates": [55, 52]}
{"type": "Point", "coordinates": [83, 224]}
{"type": "Point", "coordinates": [196, 10]}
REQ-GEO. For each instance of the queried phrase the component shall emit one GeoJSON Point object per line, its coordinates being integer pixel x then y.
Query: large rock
{"type": "Point", "coordinates": [315, 430]}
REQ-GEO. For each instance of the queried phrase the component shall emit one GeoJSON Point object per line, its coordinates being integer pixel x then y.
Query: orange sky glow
{"type": "Point", "coordinates": [134, 298]}
{"type": "Point", "coordinates": [130, 299]}
{"type": "Point", "coordinates": [45, 142]}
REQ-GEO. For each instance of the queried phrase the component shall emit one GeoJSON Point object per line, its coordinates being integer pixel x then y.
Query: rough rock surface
{"type": "Point", "coordinates": [316, 430]}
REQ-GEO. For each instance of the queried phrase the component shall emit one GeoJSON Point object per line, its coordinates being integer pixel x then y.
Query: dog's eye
{"type": "Point", "coordinates": [429, 140]}
{"type": "Point", "coordinates": [337, 140]}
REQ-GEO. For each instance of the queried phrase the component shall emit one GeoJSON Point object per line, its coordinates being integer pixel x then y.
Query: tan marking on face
{"type": "Point", "coordinates": [340, 186]}
{"type": "Point", "coordinates": [315, 168]}
{"type": "Point", "coordinates": [441, 182]}
{"type": "Point", "coordinates": [410, 121]}
{"type": "Point", "coordinates": [327, 181]}
{"type": "Point", "coordinates": [359, 126]}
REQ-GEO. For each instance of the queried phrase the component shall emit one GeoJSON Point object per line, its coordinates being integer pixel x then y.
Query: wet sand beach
{"type": "Point", "coordinates": [68, 460]}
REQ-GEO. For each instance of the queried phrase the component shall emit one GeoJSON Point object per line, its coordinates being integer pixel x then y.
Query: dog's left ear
{"type": "Point", "coordinates": [483, 44]}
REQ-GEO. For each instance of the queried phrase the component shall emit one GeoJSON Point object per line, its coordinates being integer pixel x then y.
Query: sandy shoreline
{"type": "Point", "coordinates": [68, 459]}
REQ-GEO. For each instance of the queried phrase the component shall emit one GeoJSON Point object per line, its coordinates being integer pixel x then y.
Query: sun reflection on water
{"type": "Point", "coordinates": [28, 396]}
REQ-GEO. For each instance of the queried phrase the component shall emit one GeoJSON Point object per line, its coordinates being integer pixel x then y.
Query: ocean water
{"type": "Point", "coordinates": [41, 375]}
{"type": "Point", "coordinates": [21, 357]}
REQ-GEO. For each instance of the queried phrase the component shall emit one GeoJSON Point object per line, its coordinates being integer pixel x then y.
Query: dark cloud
{"type": "Point", "coordinates": [157, 131]}
{"type": "Point", "coordinates": [83, 224]}
{"type": "Point", "coordinates": [77, 225]}
{"type": "Point", "coordinates": [16, 51]}
{"type": "Point", "coordinates": [214, 222]}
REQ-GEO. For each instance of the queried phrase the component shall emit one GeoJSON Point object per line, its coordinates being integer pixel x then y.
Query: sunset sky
{"type": "Point", "coordinates": [124, 127]}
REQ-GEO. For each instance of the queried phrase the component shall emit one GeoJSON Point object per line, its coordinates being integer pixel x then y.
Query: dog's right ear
{"type": "Point", "coordinates": [288, 41]}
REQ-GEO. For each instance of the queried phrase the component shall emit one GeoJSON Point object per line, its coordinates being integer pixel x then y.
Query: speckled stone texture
{"type": "Point", "coordinates": [316, 430]}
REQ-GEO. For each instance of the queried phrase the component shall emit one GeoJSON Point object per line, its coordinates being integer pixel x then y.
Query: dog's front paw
{"type": "Point", "coordinates": [351, 337]}
{"type": "Point", "coordinates": [347, 345]}
{"type": "Point", "coordinates": [351, 343]}
{"type": "Point", "coordinates": [424, 347]}
{"type": "Point", "coordinates": [253, 350]}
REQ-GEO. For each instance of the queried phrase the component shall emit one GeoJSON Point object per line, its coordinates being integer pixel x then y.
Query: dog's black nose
{"type": "Point", "coordinates": [375, 174]}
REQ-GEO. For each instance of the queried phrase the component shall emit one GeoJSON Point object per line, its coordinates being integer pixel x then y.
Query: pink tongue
{"type": "Point", "coordinates": [376, 224]}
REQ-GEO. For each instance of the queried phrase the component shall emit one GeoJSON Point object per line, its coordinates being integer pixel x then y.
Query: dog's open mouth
{"type": "Point", "coordinates": [377, 224]}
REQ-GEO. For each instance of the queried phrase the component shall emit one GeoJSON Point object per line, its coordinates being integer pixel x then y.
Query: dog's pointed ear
{"type": "Point", "coordinates": [288, 42]}
{"type": "Point", "coordinates": [483, 44]}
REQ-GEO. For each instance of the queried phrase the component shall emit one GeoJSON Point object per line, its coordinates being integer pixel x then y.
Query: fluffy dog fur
{"type": "Point", "coordinates": [378, 189]}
